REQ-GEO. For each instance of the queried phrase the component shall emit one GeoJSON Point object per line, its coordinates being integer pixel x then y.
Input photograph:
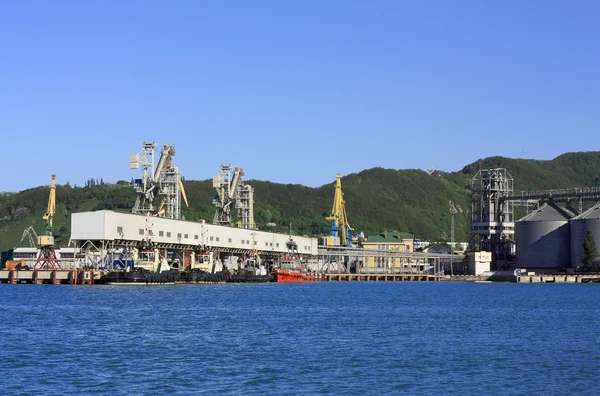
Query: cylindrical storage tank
{"type": "Point", "coordinates": [588, 220]}
{"type": "Point", "coordinates": [543, 240]}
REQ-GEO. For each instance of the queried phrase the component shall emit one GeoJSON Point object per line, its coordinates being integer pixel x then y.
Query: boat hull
{"type": "Point", "coordinates": [124, 278]}
{"type": "Point", "coordinates": [139, 277]}
{"type": "Point", "coordinates": [286, 276]}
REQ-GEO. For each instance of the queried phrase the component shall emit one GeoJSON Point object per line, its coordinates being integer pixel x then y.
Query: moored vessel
{"type": "Point", "coordinates": [135, 278]}
{"type": "Point", "coordinates": [251, 270]}
{"type": "Point", "coordinates": [291, 276]}
{"type": "Point", "coordinates": [290, 268]}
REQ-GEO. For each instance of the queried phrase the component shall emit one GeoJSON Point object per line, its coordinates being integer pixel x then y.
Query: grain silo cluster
{"type": "Point", "coordinates": [550, 239]}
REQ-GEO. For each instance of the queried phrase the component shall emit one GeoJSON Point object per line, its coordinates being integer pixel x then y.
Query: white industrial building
{"type": "Point", "coordinates": [125, 229]}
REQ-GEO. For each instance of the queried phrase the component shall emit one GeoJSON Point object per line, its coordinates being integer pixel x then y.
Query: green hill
{"type": "Point", "coordinates": [376, 199]}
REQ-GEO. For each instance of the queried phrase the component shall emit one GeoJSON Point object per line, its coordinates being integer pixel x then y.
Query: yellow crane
{"type": "Point", "coordinates": [49, 216]}
{"type": "Point", "coordinates": [339, 221]}
{"type": "Point", "coordinates": [47, 256]}
{"type": "Point", "coordinates": [183, 194]}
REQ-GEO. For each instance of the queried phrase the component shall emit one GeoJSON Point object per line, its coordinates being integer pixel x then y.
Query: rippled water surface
{"type": "Point", "coordinates": [332, 338]}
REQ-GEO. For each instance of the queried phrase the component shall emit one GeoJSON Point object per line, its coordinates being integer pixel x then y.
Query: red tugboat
{"type": "Point", "coordinates": [290, 267]}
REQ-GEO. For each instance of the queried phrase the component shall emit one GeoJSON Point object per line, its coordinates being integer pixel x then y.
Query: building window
{"type": "Point", "coordinates": [119, 230]}
{"type": "Point", "coordinates": [247, 242]}
{"type": "Point", "coordinates": [195, 236]}
{"type": "Point", "coordinates": [212, 238]}
{"type": "Point", "coordinates": [229, 240]}
{"type": "Point", "coordinates": [217, 239]}
{"type": "Point", "coordinates": [242, 241]}
{"type": "Point", "coordinates": [179, 235]}
{"type": "Point", "coordinates": [277, 244]}
{"type": "Point", "coordinates": [185, 236]}
{"type": "Point", "coordinates": [141, 231]}
{"type": "Point", "coordinates": [271, 243]}
{"type": "Point", "coordinates": [161, 233]}
{"type": "Point", "coordinates": [168, 234]}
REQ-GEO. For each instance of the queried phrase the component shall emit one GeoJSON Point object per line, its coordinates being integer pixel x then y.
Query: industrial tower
{"type": "Point", "coordinates": [339, 220]}
{"type": "Point", "coordinates": [47, 256]}
{"type": "Point", "coordinates": [232, 191]}
{"type": "Point", "coordinates": [492, 223]}
{"type": "Point", "coordinates": [164, 181]}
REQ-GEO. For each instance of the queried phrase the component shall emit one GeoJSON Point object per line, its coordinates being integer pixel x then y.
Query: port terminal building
{"type": "Point", "coordinates": [393, 241]}
{"type": "Point", "coordinates": [101, 233]}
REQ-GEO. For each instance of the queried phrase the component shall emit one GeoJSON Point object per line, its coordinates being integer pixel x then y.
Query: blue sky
{"type": "Point", "coordinates": [293, 91]}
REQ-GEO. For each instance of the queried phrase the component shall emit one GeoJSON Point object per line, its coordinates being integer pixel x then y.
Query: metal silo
{"type": "Point", "coordinates": [588, 220]}
{"type": "Point", "coordinates": [543, 239]}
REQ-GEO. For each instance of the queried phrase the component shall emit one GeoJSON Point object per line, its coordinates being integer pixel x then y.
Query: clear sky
{"type": "Point", "coordinates": [292, 91]}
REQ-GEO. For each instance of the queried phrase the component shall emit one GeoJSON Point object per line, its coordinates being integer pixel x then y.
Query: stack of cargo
{"type": "Point", "coordinates": [15, 265]}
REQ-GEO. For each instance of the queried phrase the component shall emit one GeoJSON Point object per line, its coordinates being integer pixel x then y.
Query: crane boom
{"type": "Point", "coordinates": [31, 234]}
{"type": "Point", "coordinates": [49, 215]}
{"type": "Point", "coordinates": [237, 176]}
{"type": "Point", "coordinates": [339, 220]}
{"type": "Point", "coordinates": [165, 161]}
{"type": "Point", "coordinates": [183, 194]}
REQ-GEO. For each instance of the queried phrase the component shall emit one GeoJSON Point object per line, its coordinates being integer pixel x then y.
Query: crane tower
{"type": "Point", "coordinates": [164, 181]}
{"type": "Point", "coordinates": [232, 192]}
{"type": "Point", "coordinates": [47, 256]}
{"type": "Point", "coordinates": [339, 221]}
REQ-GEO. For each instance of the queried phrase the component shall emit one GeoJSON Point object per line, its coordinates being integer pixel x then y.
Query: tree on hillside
{"type": "Point", "coordinates": [590, 252]}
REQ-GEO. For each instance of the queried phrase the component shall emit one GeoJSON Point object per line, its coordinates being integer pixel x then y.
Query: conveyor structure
{"type": "Point", "coordinates": [164, 181]}
{"type": "Point", "coordinates": [233, 192]}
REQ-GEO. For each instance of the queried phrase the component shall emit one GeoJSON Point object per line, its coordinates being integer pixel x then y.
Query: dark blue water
{"type": "Point", "coordinates": [331, 338]}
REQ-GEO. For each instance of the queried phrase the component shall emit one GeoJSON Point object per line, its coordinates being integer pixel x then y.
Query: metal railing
{"type": "Point", "coordinates": [558, 194]}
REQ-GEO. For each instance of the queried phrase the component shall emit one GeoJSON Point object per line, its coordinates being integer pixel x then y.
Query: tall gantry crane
{"type": "Point", "coordinates": [164, 180]}
{"type": "Point", "coordinates": [30, 233]}
{"type": "Point", "coordinates": [339, 221]}
{"type": "Point", "coordinates": [232, 191]}
{"type": "Point", "coordinates": [47, 256]}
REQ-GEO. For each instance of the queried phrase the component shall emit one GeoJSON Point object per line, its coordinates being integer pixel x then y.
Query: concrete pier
{"type": "Point", "coordinates": [88, 277]}
{"type": "Point", "coordinates": [382, 278]}
{"type": "Point", "coordinates": [559, 279]}
{"type": "Point", "coordinates": [51, 277]}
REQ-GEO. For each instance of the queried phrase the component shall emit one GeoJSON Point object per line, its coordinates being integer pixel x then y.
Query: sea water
{"type": "Point", "coordinates": [320, 338]}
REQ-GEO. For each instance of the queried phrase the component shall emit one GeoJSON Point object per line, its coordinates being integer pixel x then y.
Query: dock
{"type": "Point", "coordinates": [51, 277]}
{"type": "Point", "coordinates": [539, 278]}
{"type": "Point", "coordinates": [558, 279]}
{"type": "Point", "coordinates": [89, 277]}
{"type": "Point", "coordinates": [380, 277]}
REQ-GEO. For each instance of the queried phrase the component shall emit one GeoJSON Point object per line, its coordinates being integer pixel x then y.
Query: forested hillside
{"type": "Point", "coordinates": [376, 199]}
